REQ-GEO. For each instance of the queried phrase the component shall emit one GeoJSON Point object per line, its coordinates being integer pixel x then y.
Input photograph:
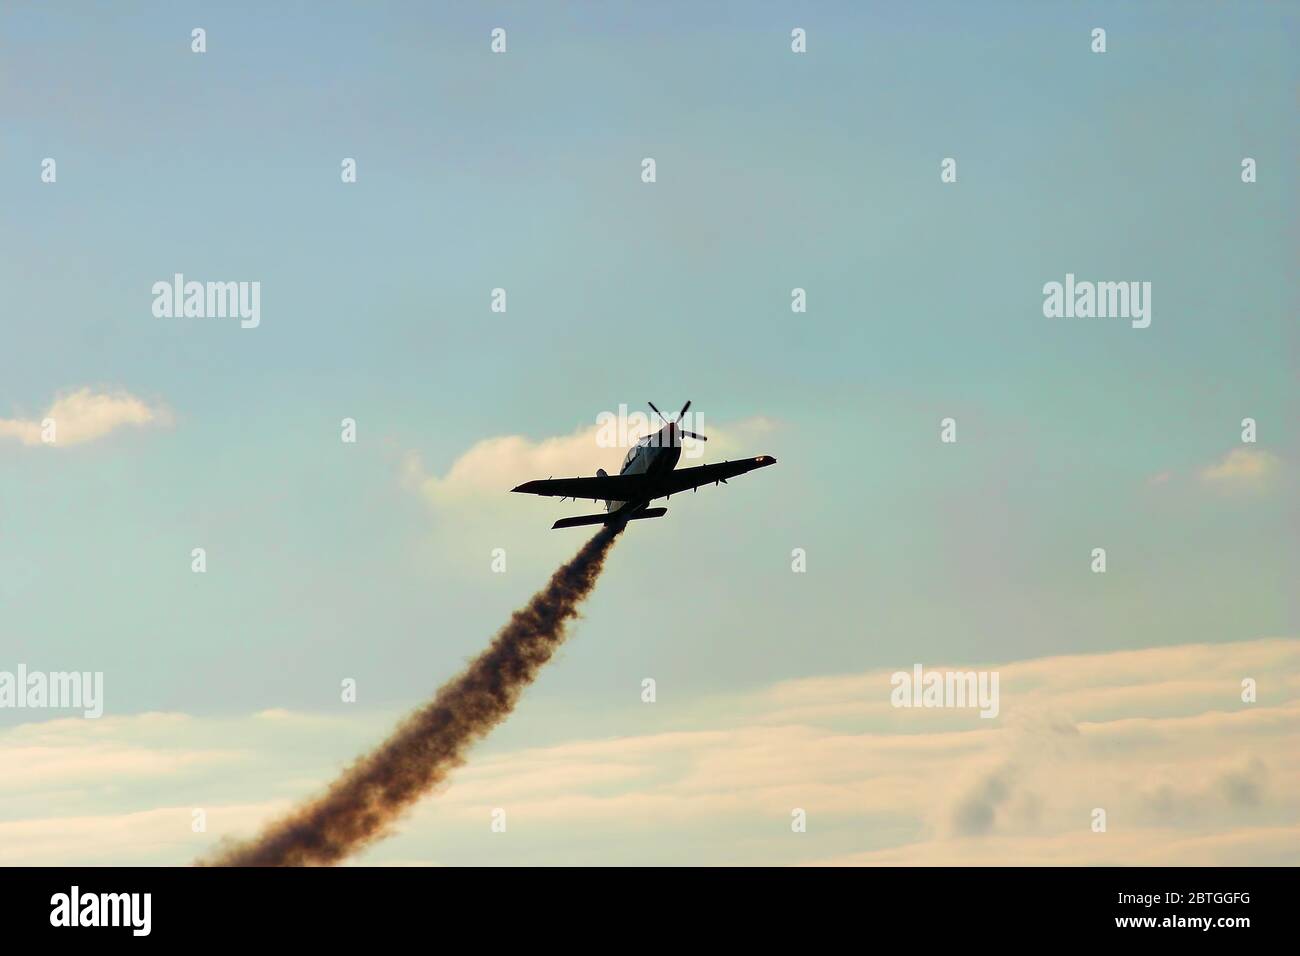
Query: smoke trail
{"type": "Point", "coordinates": [362, 804]}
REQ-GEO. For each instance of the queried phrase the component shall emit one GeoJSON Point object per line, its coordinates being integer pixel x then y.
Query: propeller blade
{"type": "Point", "coordinates": [683, 411]}
{"type": "Point", "coordinates": [693, 435]}
{"type": "Point", "coordinates": [657, 412]}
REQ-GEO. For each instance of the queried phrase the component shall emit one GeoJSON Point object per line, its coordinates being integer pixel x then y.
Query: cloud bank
{"type": "Point", "coordinates": [1186, 771]}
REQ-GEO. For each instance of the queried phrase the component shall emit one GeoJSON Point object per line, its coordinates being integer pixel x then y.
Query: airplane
{"type": "Point", "coordinates": [647, 473]}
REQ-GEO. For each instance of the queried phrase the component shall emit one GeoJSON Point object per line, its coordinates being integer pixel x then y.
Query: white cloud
{"type": "Point", "coordinates": [83, 415]}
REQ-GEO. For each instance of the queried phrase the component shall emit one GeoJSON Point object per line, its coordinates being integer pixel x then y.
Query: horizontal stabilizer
{"type": "Point", "coordinates": [579, 520]}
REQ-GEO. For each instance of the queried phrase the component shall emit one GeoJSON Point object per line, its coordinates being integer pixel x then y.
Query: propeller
{"type": "Point", "coordinates": [673, 424]}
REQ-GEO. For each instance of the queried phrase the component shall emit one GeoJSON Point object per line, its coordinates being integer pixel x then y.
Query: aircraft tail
{"type": "Point", "coordinates": [578, 520]}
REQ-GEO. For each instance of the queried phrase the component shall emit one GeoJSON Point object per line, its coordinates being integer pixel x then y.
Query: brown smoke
{"type": "Point", "coordinates": [361, 805]}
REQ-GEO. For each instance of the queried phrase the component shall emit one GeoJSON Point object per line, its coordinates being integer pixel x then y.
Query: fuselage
{"type": "Point", "coordinates": [655, 454]}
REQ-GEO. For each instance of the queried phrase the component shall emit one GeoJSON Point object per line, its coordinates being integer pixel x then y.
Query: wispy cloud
{"type": "Point", "coordinates": [1242, 468]}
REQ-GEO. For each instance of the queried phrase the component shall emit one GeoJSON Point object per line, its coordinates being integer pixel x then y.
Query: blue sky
{"type": "Point", "coordinates": [775, 171]}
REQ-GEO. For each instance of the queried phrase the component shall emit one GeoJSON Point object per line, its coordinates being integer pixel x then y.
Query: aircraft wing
{"type": "Point", "coordinates": [642, 487]}
{"type": "Point", "coordinates": [606, 487]}
{"type": "Point", "coordinates": [684, 479]}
